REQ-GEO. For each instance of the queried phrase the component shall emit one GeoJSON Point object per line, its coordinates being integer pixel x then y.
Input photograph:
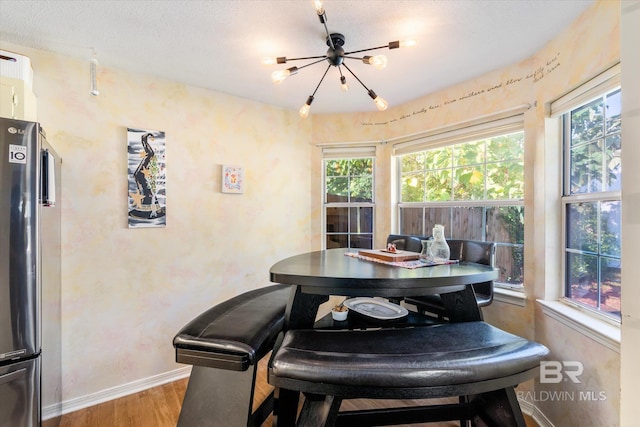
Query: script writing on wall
{"type": "Point", "coordinates": [535, 75]}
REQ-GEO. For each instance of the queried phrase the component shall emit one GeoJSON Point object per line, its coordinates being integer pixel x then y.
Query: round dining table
{"type": "Point", "coordinates": [317, 275]}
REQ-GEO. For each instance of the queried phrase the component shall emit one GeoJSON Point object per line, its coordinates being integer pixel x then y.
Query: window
{"type": "Point", "coordinates": [473, 184]}
{"type": "Point", "coordinates": [592, 150]}
{"type": "Point", "coordinates": [349, 202]}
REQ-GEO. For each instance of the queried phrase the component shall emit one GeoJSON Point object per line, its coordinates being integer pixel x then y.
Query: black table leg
{"type": "Point", "coordinates": [461, 306]}
{"type": "Point", "coordinates": [285, 407]}
{"type": "Point", "coordinates": [319, 411]}
{"type": "Point", "coordinates": [498, 408]}
{"type": "Point", "coordinates": [302, 309]}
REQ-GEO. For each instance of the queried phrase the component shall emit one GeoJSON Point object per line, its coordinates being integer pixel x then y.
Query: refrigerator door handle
{"type": "Point", "coordinates": [48, 178]}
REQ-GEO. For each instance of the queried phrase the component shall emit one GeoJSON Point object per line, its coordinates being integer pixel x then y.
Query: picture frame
{"type": "Point", "coordinates": [233, 180]}
{"type": "Point", "coordinates": [146, 170]}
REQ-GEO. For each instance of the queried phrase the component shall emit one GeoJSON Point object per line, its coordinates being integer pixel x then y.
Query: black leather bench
{"type": "Point", "coordinates": [475, 361]}
{"type": "Point", "coordinates": [222, 344]}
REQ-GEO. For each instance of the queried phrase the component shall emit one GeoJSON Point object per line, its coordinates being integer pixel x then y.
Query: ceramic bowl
{"type": "Point", "coordinates": [340, 316]}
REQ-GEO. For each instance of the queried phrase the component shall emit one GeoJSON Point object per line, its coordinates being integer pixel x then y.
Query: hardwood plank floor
{"type": "Point", "coordinates": [160, 407]}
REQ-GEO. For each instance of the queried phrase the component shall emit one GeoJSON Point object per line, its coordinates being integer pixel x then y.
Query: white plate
{"type": "Point", "coordinates": [378, 309]}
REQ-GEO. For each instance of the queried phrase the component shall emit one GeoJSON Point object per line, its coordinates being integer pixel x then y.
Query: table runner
{"type": "Point", "coordinates": [404, 264]}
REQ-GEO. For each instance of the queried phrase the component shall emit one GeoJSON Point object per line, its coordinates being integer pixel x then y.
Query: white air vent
{"type": "Point", "coordinates": [14, 66]}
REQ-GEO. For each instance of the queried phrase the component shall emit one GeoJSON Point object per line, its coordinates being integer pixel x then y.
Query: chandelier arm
{"type": "Point", "coordinates": [313, 63]}
{"type": "Point", "coordinates": [305, 57]}
{"type": "Point", "coordinates": [320, 82]}
{"type": "Point", "coordinates": [326, 29]}
{"type": "Point", "coordinates": [354, 57]}
{"type": "Point", "coordinates": [365, 50]}
{"type": "Point", "coordinates": [359, 81]}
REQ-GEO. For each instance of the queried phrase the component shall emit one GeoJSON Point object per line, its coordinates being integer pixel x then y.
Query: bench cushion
{"type": "Point", "coordinates": [236, 333]}
{"type": "Point", "coordinates": [429, 356]}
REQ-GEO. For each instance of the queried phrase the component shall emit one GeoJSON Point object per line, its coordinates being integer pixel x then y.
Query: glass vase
{"type": "Point", "coordinates": [426, 255]}
{"type": "Point", "coordinates": [440, 248]}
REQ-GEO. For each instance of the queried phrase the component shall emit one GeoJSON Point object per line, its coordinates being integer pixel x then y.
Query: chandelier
{"type": "Point", "coordinates": [335, 56]}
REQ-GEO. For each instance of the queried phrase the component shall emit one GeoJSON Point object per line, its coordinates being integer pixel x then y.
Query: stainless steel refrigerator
{"type": "Point", "coordinates": [30, 341]}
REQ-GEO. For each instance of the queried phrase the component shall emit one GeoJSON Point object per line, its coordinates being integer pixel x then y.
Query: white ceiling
{"type": "Point", "coordinates": [218, 44]}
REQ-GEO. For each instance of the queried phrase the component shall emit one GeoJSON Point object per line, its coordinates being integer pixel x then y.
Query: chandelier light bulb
{"type": "Point", "coordinates": [270, 60]}
{"type": "Point", "coordinates": [322, 16]}
{"type": "Point", "coordinates": [343, 84]}
{"type": "Point", "coordinates": [279, 76]}
{"type": "Point", "coordinates": [304, 111]}
{"type": "Point", "coordinates": [378, 61]}
{"type": "Point", "coordinates": [406, 43]}
{"type": "Point", "coordinates": [381, 103]}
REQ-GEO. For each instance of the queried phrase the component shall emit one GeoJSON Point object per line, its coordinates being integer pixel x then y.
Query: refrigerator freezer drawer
{"type": "Point", "coordinates": [19, 394]}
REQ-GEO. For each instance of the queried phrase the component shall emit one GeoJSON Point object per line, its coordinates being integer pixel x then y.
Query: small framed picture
{"type": "Point", "coordinates": [232, 179]}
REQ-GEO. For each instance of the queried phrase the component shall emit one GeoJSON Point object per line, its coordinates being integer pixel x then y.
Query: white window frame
{"type": "Point", "coordinates": [347, 153]}
{"type": "Point", "coordinates": [597, 87]}
{"type": "Point", "coordinates": [501, 123]}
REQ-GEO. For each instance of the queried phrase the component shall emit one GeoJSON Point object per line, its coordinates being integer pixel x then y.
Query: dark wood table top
{"type": "Point", "coordinates": [331, 272]}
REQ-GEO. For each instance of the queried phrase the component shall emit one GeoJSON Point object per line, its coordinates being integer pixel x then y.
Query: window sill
{"type": "Point", "coordinates": [509, 296]}
{"type": "Point", "coordinates": [598, 330]}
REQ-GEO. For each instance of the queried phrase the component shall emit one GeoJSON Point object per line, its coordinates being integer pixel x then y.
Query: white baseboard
{"type": "Point", "coordinates": [535, 413]}
{"type": "Point", "coordinates": [102, 396]}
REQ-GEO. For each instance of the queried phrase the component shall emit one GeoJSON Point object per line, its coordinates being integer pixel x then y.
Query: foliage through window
{"type": "Point", "coordinates": [349, 203]}
{"type": "Point", "coordinates": [476, 189]}
{"type": "Point", "coordinates": [592, 203]}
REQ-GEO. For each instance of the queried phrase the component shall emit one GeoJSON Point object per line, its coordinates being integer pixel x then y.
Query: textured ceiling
{"type": "Point", "coordinates": [218, 44]}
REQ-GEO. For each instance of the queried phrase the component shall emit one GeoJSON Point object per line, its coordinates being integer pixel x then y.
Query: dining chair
{"type": "Point", "coordinates": [463, 250]}
{"type": "Point", "coordinates": [407, 242]}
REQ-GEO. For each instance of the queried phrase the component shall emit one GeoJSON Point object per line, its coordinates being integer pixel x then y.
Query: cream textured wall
{"type": "Point", "coordinates": [589, 46]}
{"type": "Point", "coordinates": [126, 292]}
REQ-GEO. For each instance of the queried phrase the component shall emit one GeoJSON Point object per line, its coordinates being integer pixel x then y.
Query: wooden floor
{"type": "Point", "coordinates": [160, 407]}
